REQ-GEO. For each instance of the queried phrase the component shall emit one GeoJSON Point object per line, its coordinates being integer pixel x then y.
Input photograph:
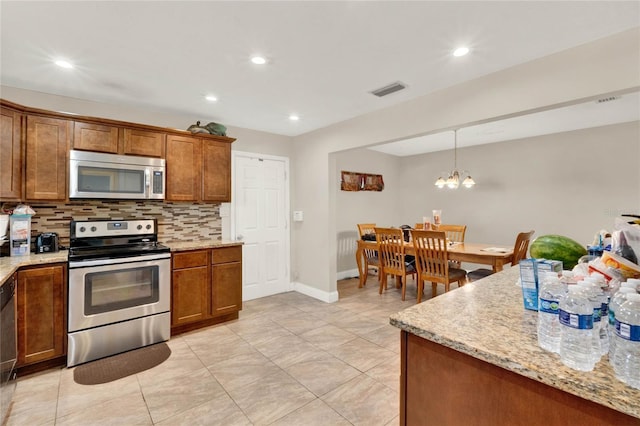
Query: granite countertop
{"type": "Point", "coordinates": [486, 320]}
{"type": "Point", "coordinates": [204, 244]}
{"type": "Point", "coordinates": [10, 264]}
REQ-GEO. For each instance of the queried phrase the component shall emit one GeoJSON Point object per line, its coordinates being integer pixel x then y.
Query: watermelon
{"type": "Point", "coordinates": [557, 247]}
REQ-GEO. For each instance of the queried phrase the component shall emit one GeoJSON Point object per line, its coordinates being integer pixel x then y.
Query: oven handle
{"type": "Point", "coordinates": [100, 262]}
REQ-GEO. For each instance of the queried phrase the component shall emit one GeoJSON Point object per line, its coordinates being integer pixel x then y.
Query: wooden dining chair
{"type": "Point", "coordinates": [432, 262]}
{"type": "Point", "coordinates": [519, 252]}
{"type": "Point", "coordinates": [392, 251]}
{"type": "Point", "coordinates": [371, 256]}
{"type": "Point", "coordinates": [455, 234]}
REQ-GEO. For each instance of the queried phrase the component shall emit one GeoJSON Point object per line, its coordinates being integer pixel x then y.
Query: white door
{"type": "Point", "coordinates": [259, 208]}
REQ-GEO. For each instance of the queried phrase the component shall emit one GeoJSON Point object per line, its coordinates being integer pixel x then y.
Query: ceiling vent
{"type": "Point", "coordinates": [387, 90]}
{"type": "Point", "coordinates": [607, 99]}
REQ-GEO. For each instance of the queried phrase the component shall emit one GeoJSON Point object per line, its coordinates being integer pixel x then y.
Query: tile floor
{"type": "Point", "coordinates": [289, 360]}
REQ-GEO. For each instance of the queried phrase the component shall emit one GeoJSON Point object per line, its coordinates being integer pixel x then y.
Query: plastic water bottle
{"type": "Point", "coordinates": [626, 363]}
{"type": "Point", "coordinates": [632, 283]}
{"type": "Point", "coordinates": [601, 315]}
{"type": "Point", "coordinates": [576, 333]}
{"type": "Point", "coordinates": [618, 299]}
{"type": "Point", "coordinates": [590, 292]}
{"type": "Point", "coordinates": [551, 292]}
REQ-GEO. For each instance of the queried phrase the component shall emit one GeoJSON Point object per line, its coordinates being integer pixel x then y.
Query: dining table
{"type": "Point", "coordinates": [484, 254]}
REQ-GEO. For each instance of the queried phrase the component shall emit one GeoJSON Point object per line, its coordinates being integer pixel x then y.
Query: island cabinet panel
{"type": "Point", "coordinates": [441, 386]}
{"type": "Point", "coordinates": [41, 314]}
{"type": "Point", "coordinates": [143, 142]}
{"type": "Point", "coordinates": [47, 143]}
{"type": "Point", "coordinates": [190, 287]}
{"type": "Point", "coordinates": [226, 280]}
{"type": "Point", "coordinates": [95, 137]}
{"type": "Point", "coordinates": [183, 168]}
{"type": "Point", "coordinates": [216, 171]}
{"type": "Point", "coordinates": [10, 154]}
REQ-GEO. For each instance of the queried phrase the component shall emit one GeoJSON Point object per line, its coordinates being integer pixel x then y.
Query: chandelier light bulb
{"type": "Point", "coordinates": [453, 180]}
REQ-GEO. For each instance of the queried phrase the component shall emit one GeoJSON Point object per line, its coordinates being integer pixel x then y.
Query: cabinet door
{"type": "Point", "coordinates": [226, 288]}
{"type": "Point", "coordinates": [41, 296]}
{"type": "Point", "coordinates": [10, 155]}
{"type": "Point", "coordinates": [216, 171]}
{"type": "Point", "coordinates": [189, 295]}
{"type": "Point", "coordinates": [190, 287]}
{"type": "Point", "coordinates": [144, 143]}
{"type": "Point", "coordinates": [47, 144]}
{"type": "Point", "coordinates": [95, 137]}
{"type": "Point", "coordinates": [183, 168]}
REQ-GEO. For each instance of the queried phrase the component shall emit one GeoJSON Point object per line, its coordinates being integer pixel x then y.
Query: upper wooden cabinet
{"type": "Point", "coordinates": [35, 143]}
{"type": "Point", "coordinates": [183, 168]}
{"type": "Point", "coordinates": [10, 154]}
{"type": "Point", "coordinates": [47, 144]}
{"type": "Point", "coordinates": [95, 137]}
{"type": "Point", "coordinates": [143, 142]}
{"type": "Point", "coordinates": [198, 169]}
{"type": "Point", "coordinates": [118, 140]}
{"type": "Point", "coordinates": [216, 170]}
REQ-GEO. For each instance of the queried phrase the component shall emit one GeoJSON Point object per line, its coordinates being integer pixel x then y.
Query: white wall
{"type": "Point", "coordinates": [572, 183]}
{"type": "Point", "coordinates": [354, 207]}
{"type": "Point", "coordinates": [606, 66]}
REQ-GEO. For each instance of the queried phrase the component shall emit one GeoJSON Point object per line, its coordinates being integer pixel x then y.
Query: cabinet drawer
{"type": "Point", "coordinates": [226, 254]}
{"type": "Point", "coordinates": [190, 259]}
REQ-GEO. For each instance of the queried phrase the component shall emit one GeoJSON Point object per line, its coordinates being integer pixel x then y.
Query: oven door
{"type": "Point", "coordinates": [107, 291]}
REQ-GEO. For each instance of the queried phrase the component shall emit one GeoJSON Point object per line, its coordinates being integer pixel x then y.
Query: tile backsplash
{"type": "Point", "coordinates": [176, 221]}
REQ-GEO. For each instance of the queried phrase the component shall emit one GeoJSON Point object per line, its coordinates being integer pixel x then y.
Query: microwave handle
{"type": "Point", "coordinates": [147, 182]}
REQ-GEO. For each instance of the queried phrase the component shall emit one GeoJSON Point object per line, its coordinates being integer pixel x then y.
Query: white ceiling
{"type": "Point", "coordinates": [324, 57]}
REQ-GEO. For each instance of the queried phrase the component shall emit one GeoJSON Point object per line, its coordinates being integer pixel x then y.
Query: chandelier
{"type": "Point", "coordinates": [453, 181]}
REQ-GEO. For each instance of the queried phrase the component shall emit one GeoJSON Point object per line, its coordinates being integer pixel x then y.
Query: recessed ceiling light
{"type": "Point", "coordinates": [294, 117]}
{"type": "Point", "coordinates": [211, 98]}
{"type": "Point", "coordinates": [258, 60]}
{"type": "Point", "coordinates": [64, 64]}
{"type": "Point", "coordinates": [461, 51]}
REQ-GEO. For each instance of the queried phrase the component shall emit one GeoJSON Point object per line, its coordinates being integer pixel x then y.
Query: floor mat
{"type": "Point", "coordinates": [122, 365]}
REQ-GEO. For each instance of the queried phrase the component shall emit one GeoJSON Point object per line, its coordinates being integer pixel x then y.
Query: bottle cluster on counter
{"type": "Point", "coordinates": [583, 320]}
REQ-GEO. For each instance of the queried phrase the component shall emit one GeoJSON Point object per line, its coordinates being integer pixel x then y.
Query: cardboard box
{"type": "Point", "coordinates": [529, 284]}
{"type": "Point", "coordinates": [530, 272]}
{"type": "Point", "coordinates": [19, 234]}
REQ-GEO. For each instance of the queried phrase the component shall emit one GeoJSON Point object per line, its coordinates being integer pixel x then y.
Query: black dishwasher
{"type": "Point", "coordinates": [8, 348]}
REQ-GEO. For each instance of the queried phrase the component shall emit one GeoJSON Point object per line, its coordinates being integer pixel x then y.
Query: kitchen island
{"type": "Point", "coordinates": [471, 356]}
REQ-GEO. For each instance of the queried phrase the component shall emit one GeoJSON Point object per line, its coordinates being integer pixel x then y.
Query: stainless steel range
{"type": "Point", "coordinates": [119, 288]}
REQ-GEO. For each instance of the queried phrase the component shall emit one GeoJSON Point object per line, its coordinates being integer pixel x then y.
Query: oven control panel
{"type": "Point", "coordinates": [108, 228]}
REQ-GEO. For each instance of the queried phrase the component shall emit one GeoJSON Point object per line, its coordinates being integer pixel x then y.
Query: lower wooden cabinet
{"type": "Point", "coordinates": [226, 277]}
{"type": "Point", "coordinates": [41, 316]}
{"type": "Point", "coordinates": [206, 287]}
{"type": "Point", "coordinates": [190, 287]}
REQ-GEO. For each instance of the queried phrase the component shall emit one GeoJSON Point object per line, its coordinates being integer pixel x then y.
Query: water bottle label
{"type": "Point", "coordinates": [597, 314]}
{"type": "Point", "coordinates": [612, 318]}
{"type": "Point", "coordinates": [548, 306]}
{"type": "Point", "coordinates": [582, 322]}
{"type": "Point", "coordinates": [628, 331]}
{"type": "Point", "coordinates": [605, 310]}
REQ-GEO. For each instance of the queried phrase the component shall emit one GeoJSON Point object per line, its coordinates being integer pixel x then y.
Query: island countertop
{"type": "Point", "coordinates": [487, 320]}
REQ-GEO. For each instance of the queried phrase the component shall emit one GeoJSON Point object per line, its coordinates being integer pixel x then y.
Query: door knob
{"type": "Point", "coordinates": [239, 237]}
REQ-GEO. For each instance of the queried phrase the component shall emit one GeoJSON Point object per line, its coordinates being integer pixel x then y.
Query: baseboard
{"type": "Point", "coordinates": [325, 296]}
{"type": "Point", "coordinates": [351, 273]}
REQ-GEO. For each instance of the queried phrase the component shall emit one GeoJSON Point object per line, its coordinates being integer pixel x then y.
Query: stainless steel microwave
{"type": "Point", "coordinates": [97, 175]}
